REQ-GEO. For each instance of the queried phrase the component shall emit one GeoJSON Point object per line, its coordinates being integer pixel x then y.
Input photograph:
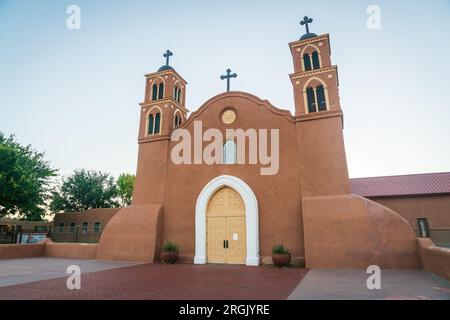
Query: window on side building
{"type": "Point", "coordinates": [424, 228]}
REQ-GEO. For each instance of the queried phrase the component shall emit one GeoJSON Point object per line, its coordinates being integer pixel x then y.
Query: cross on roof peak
{"type": "Point", "coordinates": [228, 77]}
{"type": "Point", "coordinates": [167, 55]}
{"type": "Point", "coordinates": [306, 21]}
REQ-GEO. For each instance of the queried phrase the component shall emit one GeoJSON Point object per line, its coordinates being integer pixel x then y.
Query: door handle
{"type": "Point", "coordinates": [224, 244]}
{"type": "Point", "coordinates": [226, 241]}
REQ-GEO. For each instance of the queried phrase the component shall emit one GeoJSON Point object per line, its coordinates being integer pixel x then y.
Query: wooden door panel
{"type": "Point", "coordinates": [226, 221]}
{"type": "Point", "coordinates": [235, 234]}
{"type": "Point", "coordinates": [216, 253]}
{"type": "Point", "coordinates": [226, 202]}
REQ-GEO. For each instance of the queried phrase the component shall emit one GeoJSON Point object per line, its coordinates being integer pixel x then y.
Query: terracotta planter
{"type": "Point", "coordinates": [169, 257]}
{"type": "Point", "coordinates": [281, 259]}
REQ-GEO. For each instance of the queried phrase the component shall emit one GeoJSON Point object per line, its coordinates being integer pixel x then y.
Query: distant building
{"type": "Point", "coordinates": [422, 199]}
{"type": "Point", "coordinates": [11, 230]}
{"type": "Point", "coordinates": [84, 227]}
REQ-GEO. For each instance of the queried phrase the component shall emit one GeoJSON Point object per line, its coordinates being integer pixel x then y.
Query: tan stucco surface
{"type": "Point", "coordinates": [132, 235]}
{"type": "Point", "coordinates": [349, 231]}
{"type": "Point", "coordinates": [436, 209]}
{"type": "Point", "coordinates": [434, 259]}
{"type": "Point", "coordinates": [70, 250]}
{"type": "Point", "coordinates": [16, 251]}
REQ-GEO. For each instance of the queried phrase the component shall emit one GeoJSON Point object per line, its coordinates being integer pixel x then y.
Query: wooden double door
{"type": "Point", "coordinates": [226, 237]}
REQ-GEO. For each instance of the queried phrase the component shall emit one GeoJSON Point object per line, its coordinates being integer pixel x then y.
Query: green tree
{"type": "Point", "coordinates": [24, 180]}
{"type": "Point", "coordinates": [84, 190]}
{"type": "Point", "coordinates": [125, 184]}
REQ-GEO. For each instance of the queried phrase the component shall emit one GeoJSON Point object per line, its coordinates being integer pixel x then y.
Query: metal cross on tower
{"type": "Point", "coordinates": [167, 55]}
{"type": "Point", "coordinates": [306, 20]}
{"type": "Point", "coordinates": [228, 77]}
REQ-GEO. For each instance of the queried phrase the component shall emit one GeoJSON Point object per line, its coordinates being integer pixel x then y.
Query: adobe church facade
{"type": "Point", "coordinates": [231, 213]}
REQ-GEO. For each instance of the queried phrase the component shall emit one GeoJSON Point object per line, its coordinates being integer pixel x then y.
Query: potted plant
{"type": "Point", "coordinates": [169, 253]}
{"type": "Point", "coordinates": [281, 256]}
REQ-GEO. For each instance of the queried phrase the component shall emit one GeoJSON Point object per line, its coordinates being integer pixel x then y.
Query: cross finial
{"type": "Point", "coordinates": [167, 55]}
{"type": "Point", "coordinates": [228, 77]}
{"type": "Point", "coordinates": [306, 21]}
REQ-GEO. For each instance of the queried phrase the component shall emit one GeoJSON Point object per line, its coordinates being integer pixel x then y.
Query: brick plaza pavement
{"type": "Point", "coordinates": [158, 281]}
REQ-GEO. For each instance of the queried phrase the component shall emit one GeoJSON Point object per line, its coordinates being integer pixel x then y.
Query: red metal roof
{"type": "Point", "coordinates": [407, 185]}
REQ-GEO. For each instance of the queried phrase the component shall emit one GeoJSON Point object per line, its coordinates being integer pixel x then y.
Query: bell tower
{"type": "Point", "coordinates": [318, 115]}
{"type": "Point", "coordinates": [315, 79]}
{"type": "Point", "coordinates": [164, 103]}
{"type": "Point", "coordinates": [162, 111]}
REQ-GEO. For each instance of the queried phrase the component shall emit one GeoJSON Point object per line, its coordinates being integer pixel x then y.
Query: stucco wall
{"type": "Point", "coordinates": [102, 215]}
{"type": "Point", "coordinates": [151, 172]}
{"type": "Point", "coordinates": [435, 208]}
{"type": "Point", "coordinates": [27, 226]}
{"type": "Point", "coordinates": [323, 164]}
{"type": "Point", "coordinates": [91, 216]}
{"type": "Point", "coordinates": [70, 250]}
{"type": "Point", "coordinates": [279, 221]}
{"type": "Point", "coordinates": [48, 248]}
{"type": "Point", "coordinates": [349, 231]}
{"type": "Point", "coordinates": [132, 235]}
{"type": "Point", "coordinates": [434, 259]}
{"type": "Point", "coordinates": [17, 251]}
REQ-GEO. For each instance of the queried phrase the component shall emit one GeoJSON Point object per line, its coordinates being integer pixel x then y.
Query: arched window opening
{"type": "Point", "coordinates": [311, 100]}
{"type": "Point", "coordinates": [157, 123]}
{"type": "Point", "coordinates": [307, 62]}
{"type": "Point", "coordinates": [321, 101]}
{"type": "Point", "coordinates": [315, 60]}
{"type": "Point", "coordinates": [179, 96]}
{"type": "Point", "coordinates": [175, 93]}
{"type": "Point", "coordinates": [316, 99]}
{"type": "Point", "coordinates": [161, 91]}
{"type": "Point", "coordinates": [150, 124]}
{"type": "Point", "coordinates": [229, 152]}
{"type": "Point", "coordinates": [177, 121]}
{"type": "Point", "coordinates": [154, 92]}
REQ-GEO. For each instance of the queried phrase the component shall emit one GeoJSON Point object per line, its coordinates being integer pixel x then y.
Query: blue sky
{"type": "Point", "coordinates": [75, 94]}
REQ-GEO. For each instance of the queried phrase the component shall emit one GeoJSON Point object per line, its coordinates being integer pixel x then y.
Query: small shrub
{"type": "Point", "coordinates": [280, 249]}
{"type": "Point", "coordinates": [170, 246]}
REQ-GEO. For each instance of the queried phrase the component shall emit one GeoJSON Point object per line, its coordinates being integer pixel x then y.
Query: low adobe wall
{"type": "Point", "coordinates": [434, 259]}
{"type": "Point", "coordinates": [48, 248]}
{"type": "Point", "coordinates": [349, 231]}
{"type": "Point", "coordinates": [17, 251]}
{"type": "Point", "coordinates": [133, 234]}
{"type": "Point", "coordinates": [70, 250]}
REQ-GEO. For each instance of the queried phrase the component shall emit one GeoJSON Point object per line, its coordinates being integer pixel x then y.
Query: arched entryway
{"type": "Point", "coordinates": [225, 228]}
{"type": "Point", "coordinates": [239, 221]}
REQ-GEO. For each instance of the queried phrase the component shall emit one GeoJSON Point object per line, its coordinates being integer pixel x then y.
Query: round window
{"type": "Point", "coordinates": [228, 116]}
